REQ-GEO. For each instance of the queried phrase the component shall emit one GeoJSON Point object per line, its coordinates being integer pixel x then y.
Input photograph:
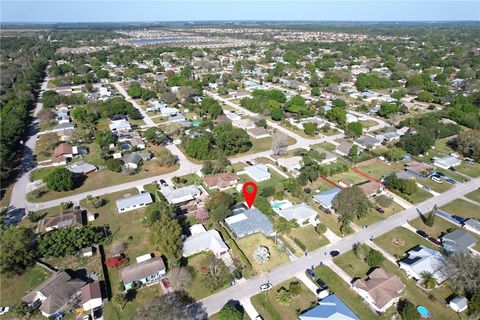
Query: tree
{"type": "Point", "coordinates": [310, 128]}
{"type": "Point", "coordinates": [199, 148]}
{"type": "Point", "coordinates": [115, 262]}
{"type": "Point", "coordinates": [262, 123]}
{"type": "Point", "coordinates": [354, 129]}
{"type": "Point", "coordinates": [353, 153]}
{"type": "Point", "coordinates": [166, 235]}
{"type": "Point", "coordinates": [219, 204]}
{"type": "Point", "coordinates": [474, 306]}
{"type": "Point", "coordinates": [463, 271]}
{"type": "Point", "coordinates": [468, 144]}
{"type": "Point", "coordinates": [165, 158]}
{"type": "Point", "coordinates": [207, 167]}
{"type": "Point", "coordinates": [395, 154]}
{"type": "Point", "coordinates": [374, 258]}
{"type": "Point", "coordinates": [156, 210]}
{"type": "Point", "coordinates": [104, 138]}
{"type": "Point", "coordinates": [171, 306]}
{"type": "Point", "coordinates": [351, 202]}
{"type": "Point", "coordinates": [114, 165]}
{"type": "Point", "coordinates": [17, 250]}
{"type": "Point", "coordinates": [387, 109]}
{"type": "Point", "coordinates": [60, 179]}
{"type": "Point", "coordinates": [201, 214]}
{"type": "Point", "coordinates": [279, 142]}
{"type": "Point", "coordinates": [430, 219]}
{"type": "Point", "coordinates": [407, 310]}
{"type": "Point", "coordinates": [294, 288]}
{"type": "Point", "coordinates": [428, 280]}
{"type": "Point", "coordinates": [156, 136]}
{"type": "Point", "coordinates": [361, 250]}
{"type": "Point", "coordinates": [320, 229]}
{"type": "Point", "coordinates": [216, 273]}
{"type": "Point", "coordinates": [283, 296]}
{"type": "Point", "coordinates": [337, 114]}
{"type": "Point", "coordinates": [425, 96]}
{"type": "Point", "coordinates": [277, 114]}
{"type": "Point", "coordinates": [135, 92]}
{"type": "Point", "coordinates": [180, 278]}
{"type": "Point", "coordinates": [230, 312]}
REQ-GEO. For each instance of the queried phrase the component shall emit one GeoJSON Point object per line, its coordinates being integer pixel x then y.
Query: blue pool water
{"type": "Point", "coordinates": [278, 204]}
{"type": "Point", "coordinates": [423, 311]}
{"type": "Point", "coordinates": [196, 123]}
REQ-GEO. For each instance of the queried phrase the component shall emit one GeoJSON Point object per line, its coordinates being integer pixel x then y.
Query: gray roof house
{"type": "Point", "coordinates": [63, 127]}
{"type": "Point", "coordinates": [302, 213]}
{"type": "Point", "coordinates": [249, 222]}
{"type": "Point", "coordinates": [134, 202]}
{"type": "Point", "coordinates": [446, 162]}
{"type": "Point", "coordinates": [344, 148]}
{"type": "Point", "coordinates": [54, 293]}
{"type": "Point", "coordinates": [81, 168]}
{"type": "Point", "coordinates": [472, 225]}
{"type": "Point", "coordinates": [458, 241]}
{"type": "Point", "coordinates": [181, 195]}
{"type": "Point", "coordinates": [367, 142]}
{"type": "Point", "coordinates": [144, 273]}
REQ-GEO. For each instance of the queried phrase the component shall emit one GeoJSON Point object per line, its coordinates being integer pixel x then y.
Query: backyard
{"type": "Point", "coordinates": [13, 288]}
{"type": "Point", "coordinates": [377, 168]}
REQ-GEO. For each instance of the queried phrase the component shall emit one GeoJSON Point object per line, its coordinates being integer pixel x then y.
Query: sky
{"type": "Point", "coordinates": [229, 10]}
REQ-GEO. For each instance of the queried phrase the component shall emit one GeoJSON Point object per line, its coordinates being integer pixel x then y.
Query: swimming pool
{"type": "Point", "coordinates": [278, 204]}
{"type": "Point", "coordinates": [423, 311]}
{"type": "Point", "coordinates": [196, 123]}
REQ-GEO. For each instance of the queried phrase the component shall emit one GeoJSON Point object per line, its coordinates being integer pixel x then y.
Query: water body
{"type": "Point", "coordinates": [162, 40]}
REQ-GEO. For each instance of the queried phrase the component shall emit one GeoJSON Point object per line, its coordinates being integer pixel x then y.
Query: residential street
{"type": "Point", "coordinates": [249, 288]}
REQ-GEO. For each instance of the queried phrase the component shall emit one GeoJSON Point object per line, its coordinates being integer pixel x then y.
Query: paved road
{"type": "Point", "coordinates": [249, 288]}
{"type": "Point", "coordinates": [146, 118]}
{"type": "Point", "coordinates": [17, 206]}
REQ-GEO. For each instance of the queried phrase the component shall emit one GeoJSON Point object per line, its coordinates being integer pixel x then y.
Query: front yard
{"type": "Point", "coordinates": [350, 176]}
{"type": "Point", "coordinates": [270, 308]}
{"type": "Point", "coordinates": [398, 241]}
{"type": "Point", "coordinates": [474, 195]}
{"type": "Point", "coordinates": [438, 229]}
{"type": "Point", "coordinates": [462, 208]}
{"type": "Point", "coordinates": [306, 237]}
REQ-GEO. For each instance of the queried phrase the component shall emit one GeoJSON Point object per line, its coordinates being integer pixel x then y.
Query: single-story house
{"type": "Point", "coordinates": [54, 293]}
{"type": "Point", "coordinates": [422, 259]}
{"type": "Point", "coordinates": [64, 127]}
{"type": "Point", "coordinates": [329, 308]}
{"type": "Point", "coordinates": [120, 125]}
{"type": "Point", "coordinates": [63, 149]}
{"type": "Point", "coordinates": [134, 202]}
{"type": "Point", "coordinates": [81, 168]}
{"type": "Point", "coordinates": [325, 199]}
{"type": "Point", "coordinates": [91, 296]}
{"type": "Point", "coordinates": [381, 289]}
{"type": "Point", "coordinates": [232, 115]}
{"type": "Point", "coordinates": [143, 273]}
{"type": "Point", "coordinates": [446, 162]}
{"type": "Point", "coordinates": [329, 157]}
{"type": "Point", "coordinates": [371, 188]}
{"type": "Point", "coordinates": [258, 133]}
{"type": "Point", "coordinates": [221, 181]}
{"type": "Point", "coordinates": [291, 163]}
{"type": "Point", "coordinates": [244, 124]}
{"type": "Point", "coordinates": [180, 195]}
{"type": "Point", "coordinates": [133, 160]}
{"type": "Point", "coordinates": [203, 240]}
{"type": "Point", "coordinates": [458, 241]}
{"type": "Point", "coordinates": [458, 304]}
{"type": "Point", "coordinates": [302, 213]}
{"type": "Point", "coordinates": [67, 218]}
{"type": "Point", "coordinates": [367, 142]}
{"type": "Point", "coordinates": [169, 111]}
{"type": "Point", "coordinates": [419, 169]}
{"type": "Point", "coordinates": [344, 148]}
{"type": "Point", "coordinates": [258, 172]}
{"type": "Point", "coordinates": [472, 225]}
{"type": "Point", "coordinates": [249, 222]}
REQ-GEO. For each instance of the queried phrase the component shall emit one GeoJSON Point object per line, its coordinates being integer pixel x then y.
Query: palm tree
{"type": "Point", "coordinates": [428, 280]}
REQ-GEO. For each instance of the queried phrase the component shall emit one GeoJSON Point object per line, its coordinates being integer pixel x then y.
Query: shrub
{"type": "Point", "coordinates": [361, 250]}
{"type": "Point", "coordinates": [320, 228]}
{"type": "Point", "coordinates": [294, 288]}
{"type": "Point", "coordinates": [374, 258]}
{"type": "Point", "coordinates": [299, 244]}
{"type": "Point", "coordinates": [115, 262]}
{"type": "Point", "coordinates": [60, 179]}
{"type": "Point", "coordinates": [283, 296]}
{"type": "Point", "coordinates": [114, 165]}
{"type": "Point", "coordinates": [407, 310]}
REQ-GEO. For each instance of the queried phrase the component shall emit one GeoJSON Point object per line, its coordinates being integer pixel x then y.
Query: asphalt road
{"type": "Point", "coordinates": [284, 272]}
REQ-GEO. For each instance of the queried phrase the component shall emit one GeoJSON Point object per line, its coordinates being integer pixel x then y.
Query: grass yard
{"type": "Point", "coordinates": [406, 240]}
{"type": "Point", "coordinates": [5, 194]}
{"type": "Point", "coordinates": [462, 208]}
{"type": "Point", "coordinates": [343, 291]}
{"type": "Point", "coordinates": [250, 243]}
{"type": "Point", "coordinates": [320, 185]}
{"type": "Point", "coordinates": [308, 237]}
{"type": "Point", "coordinates": [270, 309]}
{"type": "Point", "coordinates": [474, 195]}
{"type": "Point", "coordinates": [438, 229]}
{"type": "Point", "coordinates": [15, 287]}
{"type": "Point", "coordinates": [374, 216]}
{"type": "Point", "coordinates": [350, 175]}
{"type": "Point", "coordinates": [325, 145]}
{"type": "Point", "coordinates": [300, 132]}
{"type": "Point", "coordinates": [438, 187]}
{"type": "Point", "coordinates": [45, 146]}
{"type": "Point", "coordinates": [358, 268]}
{"type": "Point", "coordinates": [420, 196]}
{"type": "Point", "coordinates": [375, 168]}
{"type": "Point", "coordinates": [187, 180]}
{"type": "Point", "coordinates": [471, 170]}
{"type": "Point", "coordinates": [102, 179]}
{"type": "Point", "coordinates": [368, 123]}
{"type": "Point", "coordinates": [275, 181]}
{"type": "Point", "coordinates": [329, 219]}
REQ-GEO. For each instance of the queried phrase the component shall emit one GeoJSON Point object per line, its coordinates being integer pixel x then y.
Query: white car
{"type": "Point", "coordinates": [266, 286]}
{"type": "Point", "coordinates": [435, 179]}
{"type": "Point", "coordinates": [4, 310]}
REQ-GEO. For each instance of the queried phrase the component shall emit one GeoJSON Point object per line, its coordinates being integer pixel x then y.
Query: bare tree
{"type": "Point", "coordinates": [179, 278]}
{"type": "Point", "coordinates": [117, 247]}
{"type": "Point", "coordinates": [172, 306]}
{"type": "Point", "coordinates": [463, 271]}
{"type": "Point", "coordinates": [279, 143]}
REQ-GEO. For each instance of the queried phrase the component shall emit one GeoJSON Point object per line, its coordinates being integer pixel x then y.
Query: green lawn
{"type": "Point", "coordinates": [269, 308]}
{"type": "Point", "coordinates": [45, 145]}
{"type": "Point", "coordinates": [420, 195]}
{"type": "Point", "coordinates": [462, 208]}
{"type": "Point", "coordinates": [358, 268]}
{"type": "Point", "coordinates": [474, 195]}
{"type": "Point", "coordinates": [350, 175]}
{"type": "Point", "coordinates": [329, 219]}
{"type": "Point", "coordinates": [325, 145]}
{"type": "Point", "coordinates": [250, 243]}
{"type": "Point", "coordinates": [15, 287]}
{"type": "Point", "coordinates": [319, 185]}
{"type": "Point", "coordinates": [375, 168]}
{"type": "Point", "coordinates": [374, 216]}
{"type": "Point", "coordinates": [438, 229]}
{"type": "Point", "coordinates": [398, 241]}
{"type": "Point", "coordinates": [39, 174]}
{"type": "Point", "coordinates": [187, 180]}
{"type": "Point", "coordinates": [437, 187]}
{"type": "Point", "coordinates": [368, 123]}
{"type": "Point", "coordinates": [308, 237]}
{"type": "Point", "coordinates": [471, 170]}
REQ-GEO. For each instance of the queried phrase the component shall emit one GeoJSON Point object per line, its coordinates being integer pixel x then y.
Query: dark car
{"type": "Point", "coordinates": [449, 180]}
{"type": "Point", "coordinates": [439, 174]}
{"type": "Point", "coordinates": [380, 209]}
{"type": "Point", "coordinates": [458, 219]}
{"type": "Point", "coordinates": [452, 169]}
{"type": "Point", "coordinates": [311, 274]}
{"type": "Point", "coordinates": [97, 313]}
{"type": "Point", "coordinates": [334, 253]}
{"type": "Point", "coordinates": [163, 183]}
{"type": "Point", "coordinates": [435, 241]}
{"type": "Point", "coordinates": [322, 285]}
{"type": "Point", "coordinates": [422, 233]}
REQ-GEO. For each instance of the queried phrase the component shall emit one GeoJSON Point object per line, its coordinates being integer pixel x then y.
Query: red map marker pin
{"type": "Point", "coordinates": [249, 196]}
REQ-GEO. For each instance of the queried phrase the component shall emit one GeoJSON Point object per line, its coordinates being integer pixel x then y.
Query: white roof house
{"type": "Point", "coordinates": [204, 241]}
{"type": "Point", "coordinates": [169, 111]}
{"type": "Point", "coordinates": [231, 115]}
{"type": "Point", "coordinates": [446, 162]}
{"type": "Point", "coordinates": [134, 202]}
{"type": "Point", "coordinates": [120, 125]}
{"type": "Point", "coordinates": [258, 172]}
{"type": "Point", "coordinates": [291, 164]}
{"type": "Point", "coordinates": [422, 259]}
{"type": "Point", "coordinates": [302, 213]}
{"type": "Point", "coordinates": [180, 195]}
{"type": "Point", "coordinates": [458, 304]}
{"type": "Point", "coordinates": [244, 124]}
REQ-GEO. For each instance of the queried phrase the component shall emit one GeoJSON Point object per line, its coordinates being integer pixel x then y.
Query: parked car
{"type": "Point", "coordinates": [266, 286]}
{"type": "Point", "coordinates": [458, 219]}
{"type": "Point", "coordinates": [322, 285]}
{"type": "Point", "coordinates": [380, 209]}
{"type": "Point", "coordinates": [259, 317]}
{"type": "Point", "coordinates": [452, 169]}
{"type": "Point", "coordinates": [97, 313]}
{"type": "Point", "coordinates": [436, 179]}
{"type": "Point", "coordinates": [422, 233]}
{"type": "Point", "coordinates": [86, 317]}
{"type": "Point", "coordinates": [449, 180]}
{"type": "Point", "coordinates": [163, 183]}
{"type": "Point", "coordinates": [469, 161]}
{"type": "Point", "coordinates": [334, 253]}
{"type": "Point", "coordinates": [435, 241]}
{"type": "Point", "coordinates": [4, 310]}
{"type": "Point", "coordinates": [311, 274]}
{"type": "Point", "coordinates": [249, 163]}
